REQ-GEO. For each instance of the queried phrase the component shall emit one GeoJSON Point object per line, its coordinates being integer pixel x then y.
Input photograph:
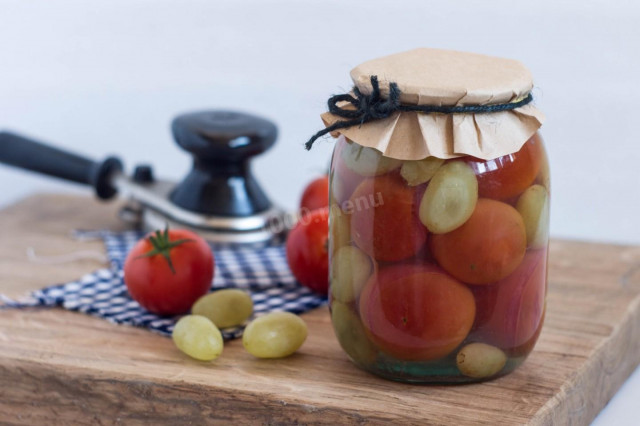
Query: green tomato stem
{"type": "Point", "coordinates": [162, 246]}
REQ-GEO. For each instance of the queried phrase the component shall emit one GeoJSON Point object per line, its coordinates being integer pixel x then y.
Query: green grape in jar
{"type": "Point", "coordinates": [420, 171]}
{"type": "Point", "coordinates": [274, 335]}
{"type": "Point", "coordinates": [351, 334]}
{"type": "Point", "coordinates": [450, 198]}
{"type": "Point", "coordinates": [367, 161]}
{"type": "Point", "coordinates": [544, 177]}
{"type": "Point", "coordinates": [479, 360]}
{"type": "Point", "coordinates": [533, 206]}
{"type": "Point", "coordinates": [350, 269]}
{"type": "Point", "coordinates": [198, 337]}
{"type": "Point", "coordinates": [339, 228]}
{"type": "Point", "coordinates": [225, 308]}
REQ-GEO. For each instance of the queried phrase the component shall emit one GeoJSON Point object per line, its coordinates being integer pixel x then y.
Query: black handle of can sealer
{"type": "Point", "coordinates": [28, 154]}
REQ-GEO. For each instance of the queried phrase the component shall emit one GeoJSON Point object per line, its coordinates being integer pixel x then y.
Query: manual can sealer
{"type": "Point", "coordinates": [220, 198]}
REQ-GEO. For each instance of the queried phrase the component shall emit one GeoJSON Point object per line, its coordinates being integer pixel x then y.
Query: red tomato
{"type": "Point", "coordinates": [308, 251]}
{"type": "Point", "coordinates": [509, 175]}
{"type": "Point", "coordinates": [486, 248]}
{"type": "Point", "coordinates": [384, 223]}
{"type": "Point", "coordinates": [316, 195]}
{"type": "Point", "coordinates": [510, 312]}
{"type": "Point", "coordinates": [166, 272]}
{"type": "Point", "coordinates": [416, 312]}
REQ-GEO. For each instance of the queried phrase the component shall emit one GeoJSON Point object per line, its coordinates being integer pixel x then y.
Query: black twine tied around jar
{"type": "Point", "coordinates": [373, 107]}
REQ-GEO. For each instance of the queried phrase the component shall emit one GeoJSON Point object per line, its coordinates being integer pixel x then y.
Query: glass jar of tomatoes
{"type": "Point", "coordinates": [438, 265]}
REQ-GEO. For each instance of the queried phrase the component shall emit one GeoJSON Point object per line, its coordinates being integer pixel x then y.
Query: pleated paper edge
{"type": "Point", "coordinates": [414, 136]}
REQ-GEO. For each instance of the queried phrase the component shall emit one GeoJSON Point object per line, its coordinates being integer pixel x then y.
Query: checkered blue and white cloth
{"type": "Point", "coordinates": [262, 271]}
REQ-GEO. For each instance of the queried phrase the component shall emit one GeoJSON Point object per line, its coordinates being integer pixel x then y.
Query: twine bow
{"type": "Point", "coordinates": [373, 107]}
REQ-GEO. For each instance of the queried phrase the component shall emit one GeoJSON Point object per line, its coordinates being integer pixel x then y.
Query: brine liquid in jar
{"type": "Point", "coordinates": [438, 268]}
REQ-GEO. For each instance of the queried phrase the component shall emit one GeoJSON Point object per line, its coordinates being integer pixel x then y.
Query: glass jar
{"type": "Point", "coordinates": [438, 268]}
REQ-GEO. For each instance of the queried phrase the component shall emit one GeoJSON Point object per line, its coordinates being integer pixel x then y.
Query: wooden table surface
{"type": "Point", "coordinates": [59, 367]}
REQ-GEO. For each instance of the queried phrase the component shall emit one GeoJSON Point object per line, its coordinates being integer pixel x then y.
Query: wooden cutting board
{"type": "Point", "coordinates": [59, 367]}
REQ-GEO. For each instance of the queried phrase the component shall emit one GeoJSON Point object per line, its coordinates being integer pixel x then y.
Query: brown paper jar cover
{"type": "Point", "coordinates": [443, 77]}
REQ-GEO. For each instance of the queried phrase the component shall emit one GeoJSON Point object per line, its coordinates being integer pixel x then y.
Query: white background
{"type": "Point", "coordinates": [107, 77]}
